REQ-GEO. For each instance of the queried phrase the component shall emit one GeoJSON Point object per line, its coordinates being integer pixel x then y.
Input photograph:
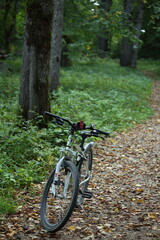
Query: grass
{"type": "Point", "coordinates": [151, 67]}
{"type": "Point", "coordinates": [97, 91]}
{"type": "Point", "coordinates": [105, 94]}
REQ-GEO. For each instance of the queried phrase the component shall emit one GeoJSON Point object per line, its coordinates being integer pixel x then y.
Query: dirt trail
{"type": "Point", "coordinates": [126, 192]}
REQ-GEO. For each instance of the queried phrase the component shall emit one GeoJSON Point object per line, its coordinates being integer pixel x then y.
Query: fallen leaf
{"type": "Point", "coordinates": [71, 228]}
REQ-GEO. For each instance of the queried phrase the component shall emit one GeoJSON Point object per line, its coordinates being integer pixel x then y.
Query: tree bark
{"type": "Point", "coordinates": [125, 52]}
{"type": "Point", "coordinates": [129, 50]}
{"type": "Point", "coordinates": [126, 48]}
{"type": "Point", "coordinates": [55, 58]}
{"type": "Point", "coordinates": [65, 60]}
{"type": "Point", "coordinates": [138, 24]}
{"type": "Point", "coordinates": [103, 41]}
{"type": "Point", "coordinates": [34, 85]}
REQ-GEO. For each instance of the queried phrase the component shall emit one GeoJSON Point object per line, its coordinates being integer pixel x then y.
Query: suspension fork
{"type": "Point", "coordinates": [56, 175]}
{"type": "Point", "coordinates": [87, 146]}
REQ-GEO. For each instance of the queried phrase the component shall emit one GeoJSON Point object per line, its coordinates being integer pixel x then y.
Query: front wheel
{"type": "Point", "coordinates": [59, 198]}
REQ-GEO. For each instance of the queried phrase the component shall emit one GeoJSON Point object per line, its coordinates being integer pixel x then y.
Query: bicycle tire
{"type": "Point", "coordinates": [84, 166]}
{"type": "Point", "coordinates": [49, 208]}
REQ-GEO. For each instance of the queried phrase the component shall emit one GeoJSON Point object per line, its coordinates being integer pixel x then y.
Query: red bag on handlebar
{"type": "Point", "coordinates": [80, 125]}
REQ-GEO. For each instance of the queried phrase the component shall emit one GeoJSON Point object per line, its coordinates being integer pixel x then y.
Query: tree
{"type": "Point", "coordinates": [34, 85]}
{"type": "Point", "coordinates": [8, 14]}
{"type": "Point", "coordinates": [55, 58]}
{"type": "Point", "coordinates": [80, 30]}
{"type": "Point", "coordinates": [138, 24]}
{"type": "Point", "coordinates": [125, 50]}
{"type": "Point", "coordinates": [133, 15]}
{"type": "Point", "coordinates": [104, 38]}
{"type": "Point", "coordinates": [151, 30]}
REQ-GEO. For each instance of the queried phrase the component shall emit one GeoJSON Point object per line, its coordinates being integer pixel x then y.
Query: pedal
{"type": "Point", "coordinates": [87, 194]}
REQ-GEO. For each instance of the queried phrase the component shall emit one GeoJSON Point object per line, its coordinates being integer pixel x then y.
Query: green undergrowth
{"type": "Point", "coordinates": [102, 93]}
{"type": "Point", "coordinates": [150, 68]}
{"type": "Point", "coordinates": [97, 91]}
{"type": "Point", "coordinates": [7, 204]}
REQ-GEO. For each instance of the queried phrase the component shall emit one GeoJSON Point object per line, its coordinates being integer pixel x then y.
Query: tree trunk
{"type": "Point", "coordinates": [126, 48]}
{"type": "Point", "coordinates": [65, 60]}
{"type": "Point", "coordinates": [56, 44]}
{"type": "Point", "coordinates": [106, 4]}
{"type": "Point", "coordinates": [138, 24]}
{"type": "Point", "coordinates": [34, 86]}
{"type": "Point", "coordinates": [104, 39]}
{"type": "Point", "coordinates": [125, 52]}
{"type": "Point", "coordinates": [129, 51]}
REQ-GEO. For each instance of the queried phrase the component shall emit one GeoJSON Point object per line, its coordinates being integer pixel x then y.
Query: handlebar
{"type": "Point", "coordinates": [76, 126]}
{"type": "Point", "coordinates": [97, 131]}
{"type": "Point", "coordinates": [59, 119]}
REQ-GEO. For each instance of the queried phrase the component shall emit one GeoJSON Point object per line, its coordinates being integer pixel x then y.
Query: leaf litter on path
{"type": "Point", "coordinates": [126, 192]}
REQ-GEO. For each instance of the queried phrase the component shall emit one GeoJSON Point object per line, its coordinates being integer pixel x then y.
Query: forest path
{"type": "Point", "coordinates": [126, 192]}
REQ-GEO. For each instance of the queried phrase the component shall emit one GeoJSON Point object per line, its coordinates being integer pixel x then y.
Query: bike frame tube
{"type": "Point", "coordinates": [89, 176]}
{"type": "Point", "coordinates": [88, 145]}
{"type": "Point", "coordinates": [58, 166]}
{"type": "Point", "coordinates": [70, 140]}
{"type": "Point", "coordinates": [68, 176]}
{"type": "Point", "coordinates": [56, 174]}
{"type": "Point", "coordinates": [60, 162]}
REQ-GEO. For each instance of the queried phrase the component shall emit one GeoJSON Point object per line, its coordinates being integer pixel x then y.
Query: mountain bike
{"type": "Point", "coordinates": [67, 184]}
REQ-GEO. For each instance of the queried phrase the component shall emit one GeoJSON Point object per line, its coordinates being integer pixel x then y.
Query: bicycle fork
{"type": "Point", "coordinates": [56, 180]}
{"type": "Point", "coordinates": [87, 179]}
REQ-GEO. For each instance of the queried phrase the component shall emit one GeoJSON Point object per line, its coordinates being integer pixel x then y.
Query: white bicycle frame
{"type": "Point", "coordinates": [78, 154]}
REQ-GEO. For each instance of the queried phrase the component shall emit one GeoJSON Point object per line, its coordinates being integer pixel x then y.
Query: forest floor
{"type": "Point", "coordinates": [125, 186]}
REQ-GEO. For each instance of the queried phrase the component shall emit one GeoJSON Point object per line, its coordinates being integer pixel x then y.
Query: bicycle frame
{"type": "Point", "coordinates": [69, 152]}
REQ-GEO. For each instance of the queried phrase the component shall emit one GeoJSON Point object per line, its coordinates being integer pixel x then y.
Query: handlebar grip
{"type": "Point", "coordinates": [59, 119]}
{"type": "Point", "coordinates": [102, 132]}
{"type": "Point", "coordinates": [50, 114]}
{"type": "Point", "coordinates": [97, 130]}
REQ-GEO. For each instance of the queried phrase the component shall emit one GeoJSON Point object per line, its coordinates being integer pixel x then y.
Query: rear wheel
{"type": "Point", "coordinates": [85, 167]}
{"type": "Point", "coordinates": [59, 199]}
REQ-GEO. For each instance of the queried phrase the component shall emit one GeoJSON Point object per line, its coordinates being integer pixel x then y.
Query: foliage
{"type": "Point", "coordinates": [151, 36]}
{"type": "Point", "coordinates": [7, 204]}
{"type": "Point", "coordinates": [80, 26]}
{"type": "Point", "coordinates": [85, 21]}
{"type": "Point", "coordinates": [12, 16]}
{"type": "Point", "coordinates": [26, 153]}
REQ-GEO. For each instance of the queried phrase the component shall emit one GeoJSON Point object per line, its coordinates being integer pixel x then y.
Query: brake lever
{"type": "Point", "coordinates": [59, 121]}
{"type": "Point", "coordinates": [53, 122]}
{"type": "Point", "coordinates": [102, 138]}
{"type": "Point", "coordinates": [95, 134]}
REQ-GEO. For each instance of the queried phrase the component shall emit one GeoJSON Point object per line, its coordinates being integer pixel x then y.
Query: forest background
{"type": "Point", "coordinates": [107, 49]}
